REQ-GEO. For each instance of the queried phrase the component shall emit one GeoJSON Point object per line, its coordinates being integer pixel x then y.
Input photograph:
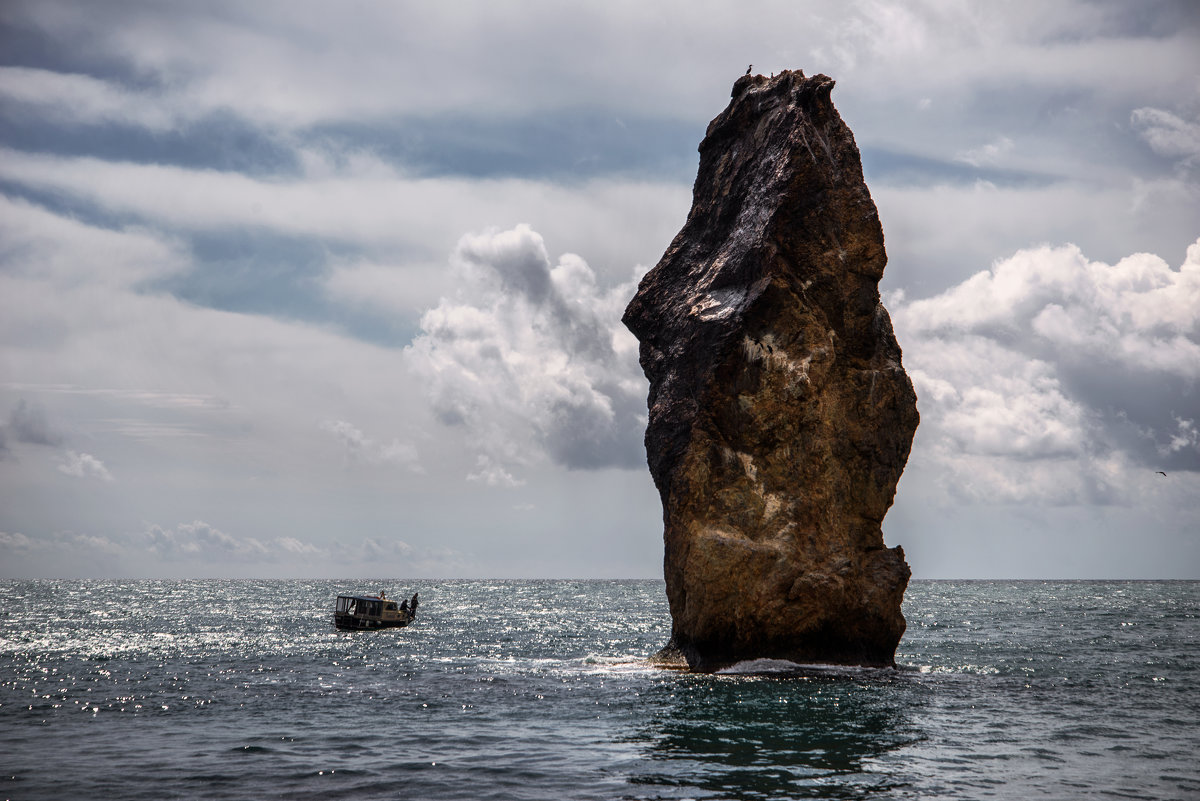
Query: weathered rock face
{"type": "Point", "coordinates": [780, 415]}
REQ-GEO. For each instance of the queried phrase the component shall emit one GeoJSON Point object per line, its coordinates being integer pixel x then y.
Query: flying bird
{"type": "Point", "coordinates": [1161, 473]}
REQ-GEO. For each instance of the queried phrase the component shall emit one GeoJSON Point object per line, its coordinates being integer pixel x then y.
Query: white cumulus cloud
{"type": "Point", "coordinates": [1049, 377]}
{"type": "Point", "coordinates": [203, 541]}
{"type": "Point", "coordinates": [988, 154]}
{"type": "Point", "coordinates": [531, 360]}
{"type": "Point", "coordinates": [361, 449]}
{"type": "Point", "coordinates": [16, 541]}
{"type": "Point", "coordinates": [83, 465]}
{"type": "Point", "coordinates": [1168, 134]}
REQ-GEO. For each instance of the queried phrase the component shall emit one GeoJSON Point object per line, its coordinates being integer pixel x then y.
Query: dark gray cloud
{"type": "Point", "coordinates": [1150, 417]}
{"type": "Point", "coordinates": [27, 423]}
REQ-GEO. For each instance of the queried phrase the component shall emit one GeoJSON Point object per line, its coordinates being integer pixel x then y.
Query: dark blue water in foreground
{"type": "Point", "coordinates": [537, 690]}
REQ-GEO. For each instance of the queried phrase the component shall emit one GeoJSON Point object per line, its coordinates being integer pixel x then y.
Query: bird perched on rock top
{"type": "Point", "coordinates": [749, 68]}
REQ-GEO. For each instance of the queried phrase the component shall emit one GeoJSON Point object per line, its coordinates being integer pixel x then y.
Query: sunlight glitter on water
{"type": "Point", "coordinates": [558, 701]}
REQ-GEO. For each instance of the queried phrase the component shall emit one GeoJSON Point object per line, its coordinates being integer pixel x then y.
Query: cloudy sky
{"type": "Point", "coordinates": [310, 289]}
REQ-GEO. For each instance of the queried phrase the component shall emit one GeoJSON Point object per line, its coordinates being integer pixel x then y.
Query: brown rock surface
{"type": "Point", "coordinates": [780, 415]}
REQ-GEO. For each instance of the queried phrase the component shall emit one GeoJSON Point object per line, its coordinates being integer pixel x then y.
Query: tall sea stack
{"type": "Point", "coordinates": [780, 415]}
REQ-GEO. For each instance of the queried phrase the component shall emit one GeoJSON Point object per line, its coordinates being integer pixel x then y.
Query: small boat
{"type": "Point", "coordinates": [357, 612]}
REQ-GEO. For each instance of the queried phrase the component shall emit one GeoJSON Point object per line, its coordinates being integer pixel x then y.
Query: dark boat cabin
{"type": "Point", "coordinates": [369, 612]}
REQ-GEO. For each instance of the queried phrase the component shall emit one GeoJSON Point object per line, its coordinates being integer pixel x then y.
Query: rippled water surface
{"type": "Point", "coordinates": [539, 690]}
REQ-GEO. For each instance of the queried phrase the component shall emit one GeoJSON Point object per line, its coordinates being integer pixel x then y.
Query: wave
{"type": "Point", "coordinates": [785, 667]}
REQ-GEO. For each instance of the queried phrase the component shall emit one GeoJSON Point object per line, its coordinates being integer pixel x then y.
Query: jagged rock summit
{"type": "Point", "coordinates": [780, 415]}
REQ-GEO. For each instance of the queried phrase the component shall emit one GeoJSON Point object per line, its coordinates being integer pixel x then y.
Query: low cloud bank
{"type": "Point", "coordinates": [192, 548]}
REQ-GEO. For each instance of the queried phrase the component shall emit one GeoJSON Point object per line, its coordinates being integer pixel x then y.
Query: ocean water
{"type": "Point", "coordinates": [540, 690]}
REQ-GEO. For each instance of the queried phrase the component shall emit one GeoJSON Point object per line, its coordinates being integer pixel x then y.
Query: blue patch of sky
{"type": "Point", "coordinates": [1095, 126]}
{"type": "Point", "coordinates": [1153, 19]}
{"type": "Point", "coordinates": [1094, 130]}
{"type": "Point", "coordinates": [261, 272]}
{"type": "Point", "coordinates": [906, 169]}
{"type": "Point", "coordinates": [65, 204]}
{"type": "Point", "coordinates": [564, 147]}
{"type": "Point", "coordinates": [220, 141]}
{"type": "Point", "coordinates": [30, 46]}
{"type": "Point", "coordinates": [248, 270]}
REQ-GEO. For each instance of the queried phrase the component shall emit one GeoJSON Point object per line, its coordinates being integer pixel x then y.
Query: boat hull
{"type": "Point", "coordinates": [365, 623]}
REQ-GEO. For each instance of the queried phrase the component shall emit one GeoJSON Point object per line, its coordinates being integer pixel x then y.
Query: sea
{"type": "Point", "coordinates": [518, 690]}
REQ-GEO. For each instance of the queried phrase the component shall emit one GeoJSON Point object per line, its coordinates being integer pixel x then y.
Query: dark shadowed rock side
{"type": "Point", "coordinates": [780, 415]}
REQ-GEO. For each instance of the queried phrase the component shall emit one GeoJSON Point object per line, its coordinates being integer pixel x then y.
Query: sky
{"type": "Point", "coordinates": [300, 289]}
